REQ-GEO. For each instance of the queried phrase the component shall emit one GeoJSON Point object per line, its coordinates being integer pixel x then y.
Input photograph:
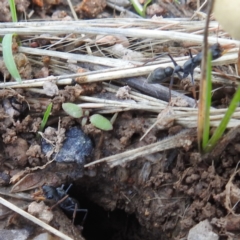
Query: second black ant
{"type": "Point", "coordinates": [66, 203]}
{"type": "Point", "coordinates": [161, 74]}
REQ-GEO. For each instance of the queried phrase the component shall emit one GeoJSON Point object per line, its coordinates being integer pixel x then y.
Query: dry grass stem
{"type": "Point", "coordinates": [149, 33]}
{"type": "Point", "coordinates": [183, 138]}
{"type": "Point", "coordinates": [77, 57]}
{"type": "Point", "coordinates": [137, 33]}
{"type": "Point", "coordinates": [103, 75]}
{"type": "Point", "coordinates": [33, 219]}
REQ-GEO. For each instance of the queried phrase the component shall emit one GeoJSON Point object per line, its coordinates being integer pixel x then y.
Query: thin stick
{"type": "Point", "coordinates": [72, 10]}
{"type": "Point", "coordinates": [58, 202]}
{"type": "Point", "coordinates": [199, 8]}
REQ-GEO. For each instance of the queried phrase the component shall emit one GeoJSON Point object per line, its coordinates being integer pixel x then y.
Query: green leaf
{"type": "Point", "coordinates": [206, 126]}
{"type": "Point", "coordinates": [141, 10]}
{"type": "Point", "coordinates": [72, 109]}
{"type": "Point", "coordinates": [8, 57]}
{"type": "Point", "coordinates": [223, 124]}
{"type": "Point", "coordinates": [145, 7]}
{"type": "Point", "coordinates": [45, 117]}
{"type": "Point", "coordinates": [13, 10]}
{"type": "Point", "coordinates": [101, 122]}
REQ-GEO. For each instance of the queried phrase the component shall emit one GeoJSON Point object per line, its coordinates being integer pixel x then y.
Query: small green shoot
{"type": "Point", "coordinates": [101, 122]}
{"type": "Point", "coordinates": [223, 124]}
{"type": "Point", "coordinates": [45, 117]}
{"type": "Point", "coordinates": [209, 144]}
{"type": "Point", "coordinates": [145, 7]}
{"type": "Point", "coordinates": [8, 57]}
{"type": "Point", "coordinates": [13, 10]}
{"type": "Point", "coordinates": [141, 10]}
{"type": "Point", "coordinates": [207, 102]}
{"type": "Point", "coordinates": [72, 109]}
{"type": "Point", "coordinates": [97, 120]}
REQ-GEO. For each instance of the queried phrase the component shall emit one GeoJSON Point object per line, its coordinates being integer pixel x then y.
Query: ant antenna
{"type": "Point", "coordinates": [74, 213]}
{"type": "Point", "coordinates": [153, 59]}
{"type": "Point", "coordinates": [68, 188]}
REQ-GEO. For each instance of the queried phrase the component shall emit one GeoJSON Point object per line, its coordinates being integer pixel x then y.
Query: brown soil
{"type": "Point", "coordinates": [157, 196]}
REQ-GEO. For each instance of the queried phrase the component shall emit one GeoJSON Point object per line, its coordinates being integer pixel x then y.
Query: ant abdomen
{"type": "Point", "coordinates": [216, 50]}
{"type": "Point", "coordinates": [160, 74]}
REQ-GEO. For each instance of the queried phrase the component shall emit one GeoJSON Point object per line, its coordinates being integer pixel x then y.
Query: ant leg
{"type": "Point", "coordinates": [85, 216]}
{"type": "Point", "coordinates": [170, 87]}
{"type": "Point", "coordinates": [192, 79]}
{"type": "Point", "coordinates": [68, 188]}
{"type": "Point", "coordinates": [75, 210]}
{"type": "Point", "coordinates": [190, 53]}
{"type": "Point", "coordinates": [174, 62]}
{"type": "Point", "coordinates": [179, 75]}
{"type": "Point", "coordinates": [193, 87]}
{"type": "Point", "coordinates": [177, 68]}
{"type": "Point", "coordinates": [74, 213]}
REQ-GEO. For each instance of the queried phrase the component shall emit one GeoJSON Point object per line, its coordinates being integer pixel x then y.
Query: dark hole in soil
{"type": "Point", "coordinates": [108, 225]}
{"type": "Point", "coordinates": [101, 224]}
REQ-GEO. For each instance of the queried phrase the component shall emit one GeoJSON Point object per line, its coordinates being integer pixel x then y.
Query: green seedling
{"type": "Point", "coordinates": [209, 144]}
{"type": "Point", "coordinates": [13, 10]}
{"type": "Point", "coordinates": [141, 10]}
{"type": "Point", "coordinates": [224, 122]}
{"type": "Point", "coordinates": [101, 122]}
{"type": "Point", "coordinates": [8, 57]}
{"type": "Point", "coordinates": [7, 47]}
{"type": "Point", "coordinates": [207, 102]}
{"type": "Point", "coordinates": [97, 120]}
{"type": "Point", "coordinates": [72, 109]}
{"type": "Point", "coordinates": [45, 117]}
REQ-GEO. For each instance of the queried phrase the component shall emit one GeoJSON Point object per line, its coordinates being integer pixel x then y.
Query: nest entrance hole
{"type": "Point", "coordinates": [108, 225]}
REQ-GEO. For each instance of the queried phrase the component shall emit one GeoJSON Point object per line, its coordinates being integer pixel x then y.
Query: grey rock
{"type": "Point", "coordinates": [76, 147]}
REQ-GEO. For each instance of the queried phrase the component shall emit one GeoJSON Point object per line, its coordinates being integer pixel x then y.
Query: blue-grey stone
{"type": "Point", "coordinates": [76, 147]}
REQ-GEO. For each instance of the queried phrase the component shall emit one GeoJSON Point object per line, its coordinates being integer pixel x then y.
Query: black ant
{"type": "Point", "coordinates": [15, 108]}
{"type": "Point", "coordinates": [66, 203]}
{"type": "Point", "coordinates": [161, 74]}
